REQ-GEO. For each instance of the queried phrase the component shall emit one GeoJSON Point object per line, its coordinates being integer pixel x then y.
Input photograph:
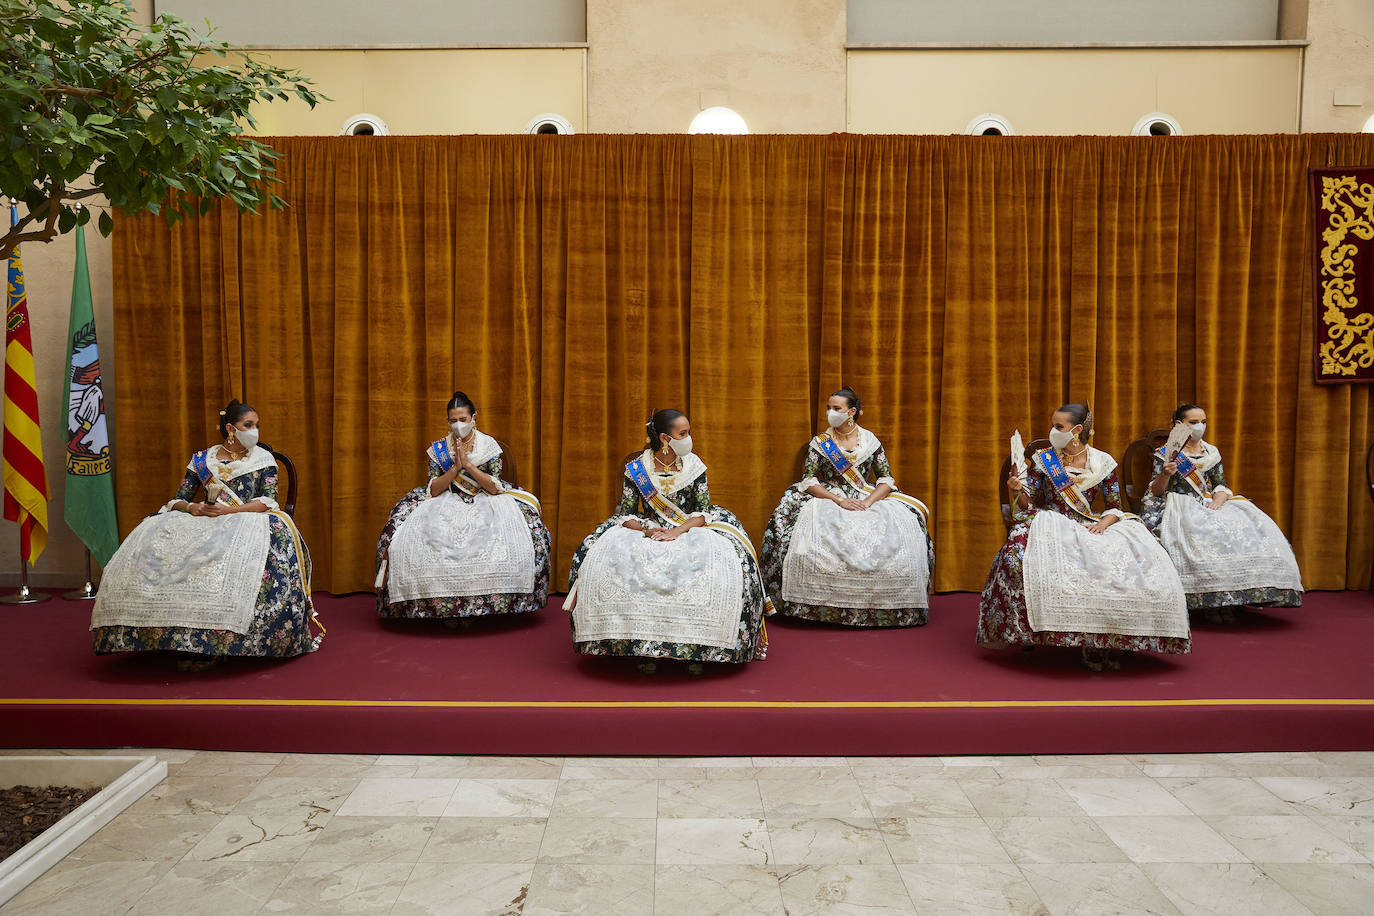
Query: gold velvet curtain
{"type": "Point", "coordinates": [965, 286]}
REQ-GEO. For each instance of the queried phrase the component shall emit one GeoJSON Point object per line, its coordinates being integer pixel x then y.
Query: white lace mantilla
{"type": "Point", "coordinates": [449, 547]}
{"type": "Point", "coordinates": [1118, 582]}
{"type": "Point", "coordinates": [181, 570]}
{"type": "Point", "coordinates": [1233, 548]}
{"type": "Point", "coordinates": [688, 590]}
{"type": "Point", "coordinates": [668, 484]}
{"type": "Point", "coordinates": [871, 559]}
{"type": "Point", "coordinates": [484, 448]}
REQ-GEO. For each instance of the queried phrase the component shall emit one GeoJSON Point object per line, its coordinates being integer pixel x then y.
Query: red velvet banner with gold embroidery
{"type": "Point", "coordinates": [1344, 274]}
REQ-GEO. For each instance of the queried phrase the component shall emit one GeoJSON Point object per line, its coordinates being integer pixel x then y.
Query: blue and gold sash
{"type": "Point", "coordinates": [1189, 471]}
{"type": "Point", "coordinates": [1063, 482]}
{"type": "Point", "coordinates": [443, 454]}
{"type": "Point", "coordinates": [832, 452]}
{"type": "Point", "coordinates": [663, 507]}
{"type": "Point", "coordinates": [200, 462]}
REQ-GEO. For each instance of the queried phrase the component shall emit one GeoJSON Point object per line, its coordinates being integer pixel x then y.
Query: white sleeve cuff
{"type": "Point", "coordinates": [807, 484]}
{"type": "Point", "coordinates": [887, 480]}
{"type": "Point", "coordinates": [1226, 490]}
{"type": "Point", "coordinates": [1118, 513]}
{"type": "Point", "coordinates": [266, 501]}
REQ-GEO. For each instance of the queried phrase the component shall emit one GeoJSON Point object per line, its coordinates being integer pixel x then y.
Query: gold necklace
{"type": "Point", "coordinates": [667, 466]}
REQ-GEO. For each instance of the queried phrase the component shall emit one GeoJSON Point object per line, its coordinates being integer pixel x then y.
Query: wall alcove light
{"type": "Point", "coordinates": [989, 125]}
{"type": "Point", "coordinates": [364, 125]}
{"type": "Point", "coordinates": [1157, 124]}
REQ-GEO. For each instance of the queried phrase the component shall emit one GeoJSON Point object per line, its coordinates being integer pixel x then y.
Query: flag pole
{"type": "Point", "coordinates": [87, 591]}
{"type": "Point", "coordinates": [24, 595]}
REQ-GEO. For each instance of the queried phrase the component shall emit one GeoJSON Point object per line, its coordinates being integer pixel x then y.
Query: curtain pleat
{"type": "Point", "coordinates": [965, 286]}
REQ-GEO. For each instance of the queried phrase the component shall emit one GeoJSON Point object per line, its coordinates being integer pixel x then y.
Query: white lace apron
{"type": "Point", "coordinates": [1233, 548]}
{"type": "Point", "coordinates": [1119, 582]}
{"type": "Point", "coordinates": [872, 559]}
{"type": "Point", "coordinates": [452, 548]}
{"type": "Point", "coordinates": [688, 590]}
{"type": "Point", "coordinates": [182, 570]}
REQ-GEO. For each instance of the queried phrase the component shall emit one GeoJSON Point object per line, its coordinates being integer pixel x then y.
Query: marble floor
{"type": "Point", "coordinates": [231, 833]}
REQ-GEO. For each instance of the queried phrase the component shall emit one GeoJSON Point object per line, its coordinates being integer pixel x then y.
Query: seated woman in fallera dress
{"type": "Point", "coordinates": [669, 575]}
{"type": "Point", "coordinates": [467, 544]}
{"type": "Point", "coordinates": [1227, 551]}
{"type": "Point", "coordinates": [226, 576]}
{"type": "Point", "coordinates": [844, 546]}
{"type": "Point", "coordinates": [1070, 577]}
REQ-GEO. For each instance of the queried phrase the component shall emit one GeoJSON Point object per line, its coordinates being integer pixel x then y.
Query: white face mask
{"type": "Point", "coordinates": [681, 447]}
{"type": "Point", "coordinates": [836, 418]}
{"type": "Point", "coordinates": [462, 427]}
{"type": "Point", "coordinates": [247, 437]}
{"type": "Point", "coordinates": [1060, 437]}
{"type": "Point", "coordinates": [1195, 430]}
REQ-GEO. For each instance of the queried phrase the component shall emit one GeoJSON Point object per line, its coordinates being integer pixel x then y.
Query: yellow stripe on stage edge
{"type": "Point", "coordinates": [682, 704]}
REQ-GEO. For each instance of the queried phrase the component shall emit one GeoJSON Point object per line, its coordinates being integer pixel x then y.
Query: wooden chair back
{"type": "Point", "coordinates": [510, 470]}
{"type": "Point", "coordinates": [1137, 465]}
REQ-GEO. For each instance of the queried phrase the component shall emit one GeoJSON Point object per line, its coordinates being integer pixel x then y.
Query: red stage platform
{"type": "Point", "coordinates": [1281, 680]}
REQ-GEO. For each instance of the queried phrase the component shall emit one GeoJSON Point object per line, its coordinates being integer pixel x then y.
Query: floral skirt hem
{"type": "Point", "coordinates": [855, 617]}
{"type": "Point", "coordinates": [1251, 597]}
{"type": "Point", "coordinates": [115, 639]}
{"type": "Point", "coordinates": [455, 608]}
{"type": "Point", "coordinates": [686, 652]}
{"type": "Point", "coordinates": [1166, 645]}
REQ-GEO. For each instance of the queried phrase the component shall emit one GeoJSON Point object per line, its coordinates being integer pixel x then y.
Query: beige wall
{"type": "Point", "coordinates": [432, 91]}
{"type": "Point", "coordinates": [653, 64]}
{"type": "Point", "coordinates": [1339, 58]}
{"type": "Point", "coordinates": [1083, 91]}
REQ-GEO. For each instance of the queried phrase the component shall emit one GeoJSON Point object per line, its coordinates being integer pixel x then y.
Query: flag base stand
{"type": "Point", "coordinates": [84, 593]}
{"type": "Point", "coordinates": [25, 595]}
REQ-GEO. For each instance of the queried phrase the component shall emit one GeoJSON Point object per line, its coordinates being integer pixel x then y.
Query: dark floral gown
{"type": "Point", "coordinates": [1152, 514]}
{"type": "Point", "coordinates": [467, 606]}
{"type": "Point", "coordinates": [751, 642]}
{"type": "Point", "coordinates": [1003, 620]}
{"type": "Point", "coordinates": [280, 625]}
{"type": "Point", "coordinates": [777, 540]}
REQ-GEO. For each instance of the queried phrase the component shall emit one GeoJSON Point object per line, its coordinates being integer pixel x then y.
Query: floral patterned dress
{"type": "Point", "coordinates": [1153, 510]}
{"type": "Point", "coordinates": [870, 461]}
{"type": "Point", "coordinates": [692, 498]}
{"type": "Point", "coordinates": [281, 620]}
{"type": "Point", "coordinates": [1003, 618]}
{"type": "Point", "coordinates": [472, 605]}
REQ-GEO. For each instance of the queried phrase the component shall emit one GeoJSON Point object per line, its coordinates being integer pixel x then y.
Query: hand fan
{"type": "Point", "coordinates": [1178, 438]}
{"type": "Point", "coordinates": [1018, 455]}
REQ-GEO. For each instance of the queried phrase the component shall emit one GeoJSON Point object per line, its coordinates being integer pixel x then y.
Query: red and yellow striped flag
{"type": "Point", "coordinates": [26, 482]}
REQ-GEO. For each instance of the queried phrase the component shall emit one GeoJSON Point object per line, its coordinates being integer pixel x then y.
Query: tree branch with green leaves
{"type": "Point", "coordinates": [151, 117]}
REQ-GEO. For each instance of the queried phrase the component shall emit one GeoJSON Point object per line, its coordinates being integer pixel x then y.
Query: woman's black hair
{"type": "Point", "coordinates": [231, 415]}
{"type": "Point", "coordinates": [1082, 415]}
{"type": "Point", "coordinates": [460, 400]}
{"type": "Point", "coordinates": [661, 423]}
{"type": "Point", "coordinates": [853, 399]}
{"type": "Point", "coordinates": [1181, 411]}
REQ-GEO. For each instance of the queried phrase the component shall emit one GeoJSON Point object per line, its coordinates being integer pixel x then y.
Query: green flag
{"type": "Point", "coordinates": [90, 504]}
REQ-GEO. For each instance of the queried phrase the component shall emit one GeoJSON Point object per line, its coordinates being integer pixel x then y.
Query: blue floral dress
{"type": "Point", "coordinates": [1256, 569]}
{"type": "Point", "coordinates": [692, 498]}
{"type": "Point", "coordinates": [777, 539]}
{"type": "Point", "coordinates": [471, 605]}
{"type": "Point", "coordinates": [280, 624]}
